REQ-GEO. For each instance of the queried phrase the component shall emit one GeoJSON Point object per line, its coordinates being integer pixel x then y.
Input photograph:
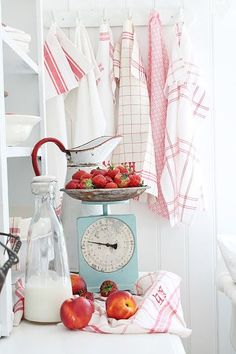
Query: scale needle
{"type": "Point", "coordinates": [114, 245]}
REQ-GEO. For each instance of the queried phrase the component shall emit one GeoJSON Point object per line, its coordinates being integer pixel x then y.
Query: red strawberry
{"type": "Point", "coordinates": [77, 175]}
{"type": "Point", "coordinates": [111, 185]}
{"type": "Point", "coordinates": [99, 181]}
{"type": "Point", "coordinates": [135, 180]}
{"type": "Point", "coordinates": [108, 287]}
{"type": "Point", "coordinates": [89, 295]}
{"type": "Point", "coordinates": [86, 175]}
{"type": "Point", "coordinates": [112, 171]}
{"type": "Point", "coordinates": [86, 184]}
{"type": "Point", "coordinates": [123, 169]}
{"type": "Point", "coordinates": [108, 178]}
{"type": "Point", "coordinates": [73, 184]}
{"type": "Point", "coordinates": [98, 171]}
{"type": "Point", "coordinates": [122, 180]}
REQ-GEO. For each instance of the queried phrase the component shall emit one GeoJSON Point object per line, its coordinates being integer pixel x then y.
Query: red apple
{"type": "Point", "coordinates": [76, 313]}
{"type": "Point", "coordinates": [78, 283]}
{"type": "Point", "coordinates": [121, 305]}
{"type": "Point", "coordinates": [88, 295]}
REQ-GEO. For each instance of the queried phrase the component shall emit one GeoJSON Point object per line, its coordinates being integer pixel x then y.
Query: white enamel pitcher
{"type": "Point", "coordinates": [86, 156]}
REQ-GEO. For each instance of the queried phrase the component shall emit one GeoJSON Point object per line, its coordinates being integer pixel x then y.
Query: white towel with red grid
{"type": "Point", "coordinates": [106, 83]}
{"type": "Point", "coordinates": [156, 78]}
{"type": "Point", "coordinates": [159, 311]}
{"type": "Point", "coordinates": [83, 106]}
{"type": "Point", "coordinates": [64, 64]}
{"type": "Point", "coordinates": [133, 121]}
{"type": "Point", "coordinates": [181, 177]}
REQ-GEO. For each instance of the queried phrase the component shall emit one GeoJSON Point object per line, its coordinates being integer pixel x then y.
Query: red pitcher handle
{"type": "Point", "coordinates": [36, 148]}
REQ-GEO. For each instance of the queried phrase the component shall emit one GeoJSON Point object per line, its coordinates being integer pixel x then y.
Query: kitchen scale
{"type": "Point", "coordinates": [107, 243]}
{"type": "Point", "coordinates": [107, 248]}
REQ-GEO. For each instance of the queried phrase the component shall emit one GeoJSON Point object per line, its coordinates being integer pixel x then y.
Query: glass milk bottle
{"type": "Point", "coordinates": [47, 282]}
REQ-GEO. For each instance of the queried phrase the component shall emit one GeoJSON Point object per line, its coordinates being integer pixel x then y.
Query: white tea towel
{"type": "Point", "coordinates": [83, 106]}
{"type": "Point", "coordinates": [159, 309]}
{"type": "Point", "coordinates": [21, 37]}
{"type": "Point", "coordinates": [181, 177]}
{"type": "Point", "coordinates": [56, 127]}
{"type": "Point", "coordinates": [64, 65]}
{"type": "Point", "coordinates": [133, 111]}
{"type": "Point", "coordinates": [156, 78]}
{"type": "Point", "coordinates": [106, 83]}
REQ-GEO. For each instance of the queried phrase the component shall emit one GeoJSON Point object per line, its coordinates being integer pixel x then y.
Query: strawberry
{"type": "Point", "coordinates": [108, 287]}
{"type": "Point", "coordinates": [122, 180]}
{"type": "Point", "coordinates": [85, 175]}
{"type": "Point", "coordinates": [111, 185]}
{"type": "Point", "coordinates": [108, 178]}
{"type": "Point", "coordinates": [112, 171]}
{"type": "Point", "coordinates": [98, 171]}
{"type": "Point", "coordinates": [135, 180]}
{"type": "Point", "coordinates": [77, 175]}
{"type": "Point", "coordinates": [73, 184]}
{"type": "Point", "coordinates": [86, 184]}
{"type": "Point", "coordinates": [123, 168]}
{"type": "Point", "coordinates": [99, 181]}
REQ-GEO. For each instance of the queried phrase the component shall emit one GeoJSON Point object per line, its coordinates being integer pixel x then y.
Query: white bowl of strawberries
{"type": "Point", "coordinates": [114, 183]}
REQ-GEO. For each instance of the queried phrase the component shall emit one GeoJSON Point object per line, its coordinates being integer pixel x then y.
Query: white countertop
{"type": "Point", "coordinates": [31, 338]}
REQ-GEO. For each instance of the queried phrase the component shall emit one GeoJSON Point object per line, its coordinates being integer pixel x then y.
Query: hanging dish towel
{"type": "Point", "coordinates": [83, 104]}
{"type": "Point", "coordinates": [159, 309]}
{"type": "Point", "coordinates": [181, 177]}
{"type": "Point", "coordinates": [133, 110]}
{"type": "Point", "coordinates": [156, 78]}
{"type": "Point", "coordinates": [106, 83]}
{"type": "Point", "coordinates": [64, 65]}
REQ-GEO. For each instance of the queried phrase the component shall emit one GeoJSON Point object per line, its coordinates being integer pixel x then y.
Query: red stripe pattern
{"type": "Point", "coordinates": [181, 176]}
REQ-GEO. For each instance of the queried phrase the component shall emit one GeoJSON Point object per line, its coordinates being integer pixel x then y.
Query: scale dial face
{"type": "Point", "coordinates": [107, 244]}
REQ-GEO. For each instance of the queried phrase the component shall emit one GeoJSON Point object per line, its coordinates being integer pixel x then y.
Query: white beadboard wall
{"type": "Point", "coordinates": [191, 251]}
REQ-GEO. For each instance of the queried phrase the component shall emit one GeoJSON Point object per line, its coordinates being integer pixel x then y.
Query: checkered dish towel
{"type": "Point", "coordinates": [64, 65]}
{"type": "Point", "coordinates": [181, 176]}
{"type": "Point", "coordinates": [156, 78]}
{"type": "Point", "coordinates": [160, 311]}
{"type": "Point", "coordinates": [133, 121]}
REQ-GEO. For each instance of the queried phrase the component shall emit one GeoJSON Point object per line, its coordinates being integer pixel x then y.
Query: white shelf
{"type": "Point", "coordinates": [18, 151]}
{"type": "Point", "coordinates": [15, 59]}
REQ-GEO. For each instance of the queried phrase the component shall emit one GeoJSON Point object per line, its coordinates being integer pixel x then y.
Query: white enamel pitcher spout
{"type": "Point", "coordinates": [85, 156]}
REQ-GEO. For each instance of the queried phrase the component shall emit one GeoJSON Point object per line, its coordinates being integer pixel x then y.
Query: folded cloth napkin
{"type": "Point", "coordinates": [18, 300]}
{"type": "Point", "coordinates": [106, 83]}
{"type": "Point", "coordinates": [181, 176]}
{"type": "Point", "coordinates": [20, 37]}
{"type": "Point", "coordinates": [11, 29]}
{"type": "Point", "coordinates": [156, 78]}
{"type": "Point", "coordinates": [64, 64]}
{"type": "Point", "coordinates": [160, 311]}
{"type": "Point", "coordinates": [133, 121]}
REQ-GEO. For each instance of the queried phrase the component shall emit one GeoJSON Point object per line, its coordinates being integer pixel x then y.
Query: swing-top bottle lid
{"type": "Point", "coordinates": [41, 184]}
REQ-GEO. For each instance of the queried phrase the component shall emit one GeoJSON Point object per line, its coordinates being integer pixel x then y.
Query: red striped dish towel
{"type": "Point", "coordinates": [18, 308]}
{"type": "Point", "coordinates": [106, 83]}
{"type": "Point", "coordinates": [133, 109]}
{"type": "Point", "coordinates": [156, 78]}
{"type": "Point", "coordinates": [64, 64]}
{"type": "Point", "coordinates": [160, 311]}
{"type": "Point", "coordinates": [181, 176]}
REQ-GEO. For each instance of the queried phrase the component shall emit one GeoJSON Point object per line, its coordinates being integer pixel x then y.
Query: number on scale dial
{"type": "Point", "coordinates": [107, 245]}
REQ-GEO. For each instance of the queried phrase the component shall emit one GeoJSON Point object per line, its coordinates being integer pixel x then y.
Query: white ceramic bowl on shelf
{"type": "Point", "coordinates": [19, 127]}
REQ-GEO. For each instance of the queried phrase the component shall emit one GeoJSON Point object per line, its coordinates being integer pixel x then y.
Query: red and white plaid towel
{"type": "Point", "coordinates": [181, 177]}
{"type": "Point", "coordinates": [18, 297]}
{"type": "Point", "coordinates": [106, 82]}
{"type": "Point", "coordinates": [133, 109]}
{"type": "Point", "coordinates": [156, 78]}
{"type": "Point", "coordinates": [159, 310]}
{"type": "Point", "coordinates": [64, 64]}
